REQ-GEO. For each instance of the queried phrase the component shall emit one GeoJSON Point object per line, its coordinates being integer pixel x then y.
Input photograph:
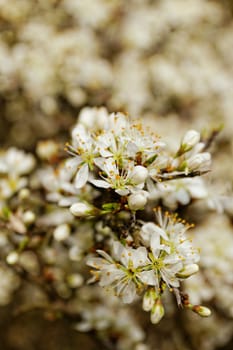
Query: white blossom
{"type": "Point", "coordinates": [122, 182]}
{"type": "Point", "coordinates": [176, 192]}
{"type": "Point", "coordinates": [171, 252]}
{"type": "Point", "coordinates": [84, 150]}
{"type": "Point", "coordinates": [16, 162]}
{"type": "Point", "coordinates": [58, 183]}
{"type": "Point", "coordinates": [14, 166]}
{"type": "Point", "coordinates": [122, 271]}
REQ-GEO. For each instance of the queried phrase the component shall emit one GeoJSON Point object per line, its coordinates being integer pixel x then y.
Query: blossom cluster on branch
{"type": "Point", "coordinates": [110, 174]}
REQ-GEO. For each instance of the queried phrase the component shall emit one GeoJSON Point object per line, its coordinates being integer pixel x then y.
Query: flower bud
{"type": "Point", "coordinates": [201, 160]}
{"type": "Point", "coordinates": [157, 312]}
{"type": "Point", "coordinates": [75, 280]}
{"type": "Point", "coordinates": [29, 217]}
{"type": "Point", "coordinates": [61, 232]}
{"type": "Point", "coordinates": [190, 139]}
{"type": "Point", "coordinates": [139, 174]}
{"type": "Point", "coordinates": [137, 200]}
{"type": "Point", "coordinates": [188, 270]}
{"type": "Point", "coordinates": [148, 300]}
{"type": "Point", "coordinates": [12, 258]}
{"type": "Point", "coordinates": [81, 209]}
{"type": "Point", "coordinates": [201, 310]}
{"type": "Point", "coordinates": [46, 149]}
{"type": "Point", "coordinates": [24, 193]}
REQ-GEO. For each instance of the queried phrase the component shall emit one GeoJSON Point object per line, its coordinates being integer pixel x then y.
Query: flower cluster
{"type": "Point", "coordinates": [164, 257]}
{"type": "Point", "coordinates": [128, 159]}
{"type": "Point", "coordinates": [115, 168]}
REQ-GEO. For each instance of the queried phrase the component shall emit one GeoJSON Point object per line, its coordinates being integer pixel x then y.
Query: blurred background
{"type": "Point", "coordinates": [168, 62]}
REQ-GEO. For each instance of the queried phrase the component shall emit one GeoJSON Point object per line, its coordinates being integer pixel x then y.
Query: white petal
{"type": "Point", "coordinates": [105, 153]}
{"type": "Point", "coordinates": [73, 163]}
{"type": "Point", "coordinates": [110, 275]}
{"type": "Point", "coordinates": [155, 245]}
{"type": "Point", "coordinates": [123, 192]}
{"type": "Point", "coordinates": [131, 149]}
{"type": "Point", "coordinates": [100, 183]}
{"type": "Point", "coordinates": [171, 259]}
{"type": "Point", "coordinates": [67, 201]}
{"type": "Point", "coordinates": [68, 187]}
{"type": "Point", "coordinates": [183, 196]}
{"type": "Point", "coordinates": [149, 278]}
{"type": "Point", "coordinates": [104, 255]}
{"type": "Point", "coordinates": [129, 293]}
{"type": "Point", "coordinates": [97, 263]}
{"type": "Point", "coordinates": [122, 254]}
{"type": "Point", "coordinates": [139, 256]}
{"type": "Point", "coordinates": [82, 176]}
{"type": "Point", "coordinates": [169, 278]}
{"type": "Point", "coordinates": [161, 232]}
{"type": "Point", "coordinates": [99, 162]}
{"type": "Point", "coordinates": [198, 189]}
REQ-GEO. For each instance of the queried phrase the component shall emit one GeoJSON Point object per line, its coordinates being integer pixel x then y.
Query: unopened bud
{"type": "Point", "coordinates": [47, 149]}
{"type": "Point", "coordinates": [157, 312]}
{"type": "Point", "coordinates": [148, 300]}
{"type": "Point", "coordinates": [188, 270]}
{"type": "Point", "coordinates": [12, 258]}
{"type": "Point", "coordinates": [139, 174]}
{"type": "Point", "coordinates": [190, 139]}
{"type": "Point", "coordinates": [29, 217]}
{"type": "Point", "coordinates": [137, 201]}
{"type": "Point", "coordinates": [201, 310]}
{"type": "Point", "coordinates": [199, 161]}
{"type": "Point", "coordinates": [61, 232]}
{"type": "Point", "coordinates": [75, 280]}
{"type": "Point", "coordinates": [81, 209]}
{"type": "Point", "coordinates": [24, 193]}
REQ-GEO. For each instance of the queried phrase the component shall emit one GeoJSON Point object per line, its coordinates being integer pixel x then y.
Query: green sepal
{"type": "Point", "coordinates": [150, 160]}
{"type": "Point", "coordinates": [110, 207]}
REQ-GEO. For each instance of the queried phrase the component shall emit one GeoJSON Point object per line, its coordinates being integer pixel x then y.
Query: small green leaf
{"type": "Point", "coordinates": [109, 207]}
